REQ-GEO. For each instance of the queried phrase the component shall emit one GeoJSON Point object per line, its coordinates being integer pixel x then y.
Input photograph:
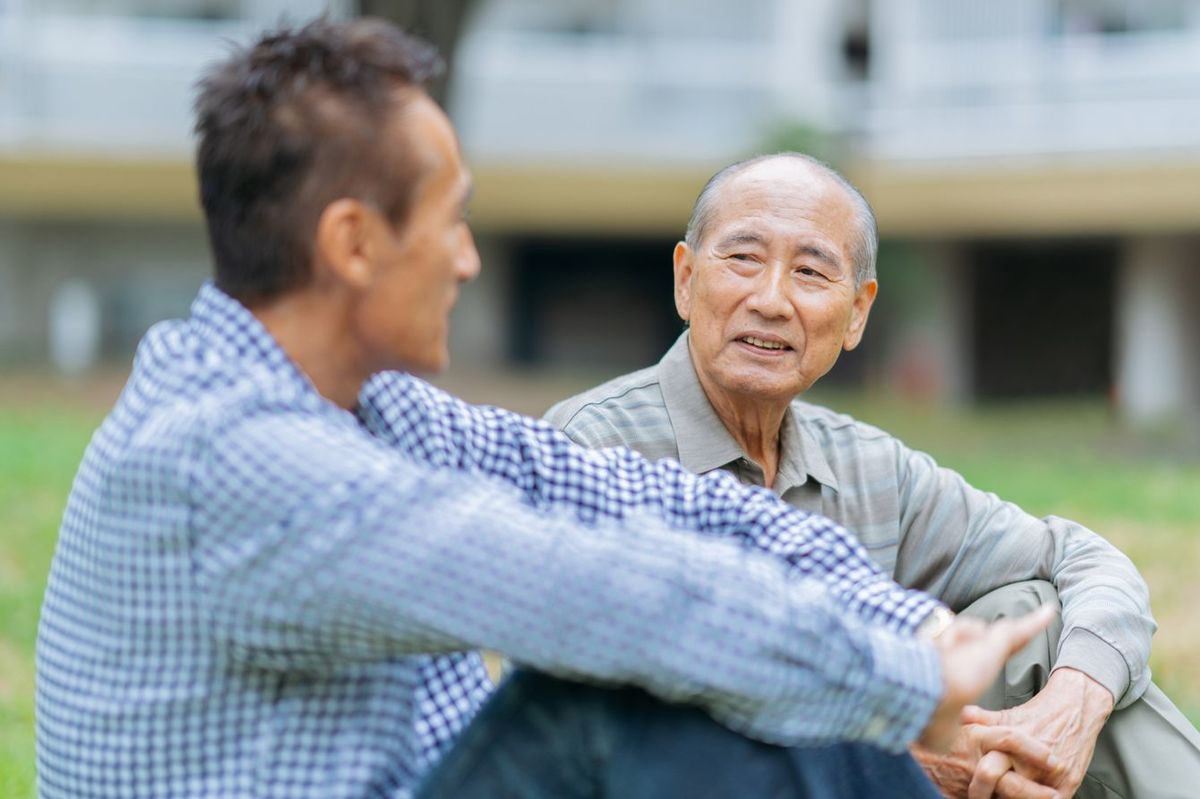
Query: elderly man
{"type": "Point", "coordinates": [775, 277]}
{"type": "Point", "coordinates": [278, 555]}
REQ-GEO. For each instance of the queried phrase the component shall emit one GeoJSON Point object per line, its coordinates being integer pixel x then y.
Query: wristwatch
{"type": "Point", "coordinates": [935, 623]}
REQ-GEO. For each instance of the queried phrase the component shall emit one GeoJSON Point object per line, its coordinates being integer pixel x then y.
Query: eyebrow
{"type": "Point", "coordinates": [734, 239]}
{"type": "Point", "coordinates": [820, 253]}
{"type": "Point", "coordinates": [747, 237]}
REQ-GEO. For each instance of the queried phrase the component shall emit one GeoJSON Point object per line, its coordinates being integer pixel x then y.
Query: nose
{"type": "Point", "coordinates": [769, 295]}
{"type": "Point", "coordinates": [467, 264]}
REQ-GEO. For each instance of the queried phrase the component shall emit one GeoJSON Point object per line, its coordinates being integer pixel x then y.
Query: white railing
{"type": "Point", "coordinates": [523, 95]}
{"type": "Point", "coordinates": [96, 83]}
{"type": "Point", "coordinates": [1011, 81]}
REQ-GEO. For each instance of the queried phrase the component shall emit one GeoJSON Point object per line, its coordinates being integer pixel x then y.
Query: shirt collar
{"type": "Point", "coordinates": [704, 442]}
{"type": "Point", "coordinates": [233, 330]}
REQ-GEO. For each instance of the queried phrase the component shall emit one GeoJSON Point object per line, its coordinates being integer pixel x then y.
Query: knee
{"type": "Point", "coordinates": [1014, 599]}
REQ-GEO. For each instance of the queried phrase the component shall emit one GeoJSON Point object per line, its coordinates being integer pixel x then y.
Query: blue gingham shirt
{"type": "Point", "coordinates": [257, 593]}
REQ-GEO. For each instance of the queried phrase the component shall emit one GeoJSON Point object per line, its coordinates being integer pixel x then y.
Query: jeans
{"type": "Point", "coordinates": [541, 737]}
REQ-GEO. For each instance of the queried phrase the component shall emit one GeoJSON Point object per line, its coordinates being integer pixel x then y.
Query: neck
{"type": "Point", "coordinates": [314, 331]}
{"type": "Point", "coordinates": [755, 423]}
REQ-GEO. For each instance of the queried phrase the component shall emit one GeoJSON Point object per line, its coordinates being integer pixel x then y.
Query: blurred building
{"type": "Point", "coordinates": [1035, 165]}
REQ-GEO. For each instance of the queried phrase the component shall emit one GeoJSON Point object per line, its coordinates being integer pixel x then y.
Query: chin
{"type": "Point", "coordinates": [765, 387]}
{"type": "Point", "coordinates": [421, 363]}
{"type": "Point", "coordinates": [437, 363]}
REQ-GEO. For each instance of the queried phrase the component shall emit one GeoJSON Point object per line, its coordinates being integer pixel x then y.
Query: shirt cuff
{"type": "Point", "coordinates": [1085, 651]}
{"type": "Point", "coordinates": [936, 623]}
{"type": "Point", "coordinates": [921, 607]}
{"type": "Point", "coordinates": [901, 694]}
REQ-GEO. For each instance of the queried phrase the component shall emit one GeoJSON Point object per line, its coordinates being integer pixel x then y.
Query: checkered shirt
{"type": "Point", "coordinates": [258, 594]}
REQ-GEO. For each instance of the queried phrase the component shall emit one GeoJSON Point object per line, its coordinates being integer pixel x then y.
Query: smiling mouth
{"type": "Point", "coordinates": [763, 344]}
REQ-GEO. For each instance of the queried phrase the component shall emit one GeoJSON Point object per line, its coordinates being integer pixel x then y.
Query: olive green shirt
{"type": "Point", "coordinates": [924, 524]}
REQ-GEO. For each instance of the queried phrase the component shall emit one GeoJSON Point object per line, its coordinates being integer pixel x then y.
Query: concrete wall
{"type": "Point", "coordinates": [1158, 335]}
{"type": "Point", "coordinates": [134, 274]}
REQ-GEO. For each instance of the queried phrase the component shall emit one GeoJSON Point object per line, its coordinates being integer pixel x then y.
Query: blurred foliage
{"type": "Point", "coordinates": [796, 135]}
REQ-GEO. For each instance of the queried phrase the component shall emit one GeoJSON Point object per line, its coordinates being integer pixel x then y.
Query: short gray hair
{"type": "Point", "coordinates": [865, 244]}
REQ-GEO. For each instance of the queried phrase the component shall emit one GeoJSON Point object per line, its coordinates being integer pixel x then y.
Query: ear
{"type": "Point", "coordinates": [684, 263]}
{"type": "Point", "coordinates": [863, 301]}
{"type": "Point", "coordinates": [344, 248]}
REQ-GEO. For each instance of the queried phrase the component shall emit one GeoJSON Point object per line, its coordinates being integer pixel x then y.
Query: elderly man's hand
{"type": "Point", "coordinates": [1067, 715]}
{"type": "Point", "coordinates": [954, 772]}
{"type": "Point", "coordinates": [972, 654]}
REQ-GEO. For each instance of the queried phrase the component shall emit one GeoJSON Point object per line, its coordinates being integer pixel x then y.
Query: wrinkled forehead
{"type": "Point", "coordinates": [784, 201]}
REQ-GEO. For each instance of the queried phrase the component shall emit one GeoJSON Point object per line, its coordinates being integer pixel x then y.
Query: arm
{"type": "Point", "coordinates": [315, 545]}
{"type": "Point", "coordinates": [959, 543]}
{"type": "Point", "coordinates": [550, 471]}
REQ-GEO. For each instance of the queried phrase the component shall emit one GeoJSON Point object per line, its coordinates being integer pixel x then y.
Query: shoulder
{"type": "Point", "coordinates": [620, 412]}
{"type": "Point", "coordinates": [180, 383]}
{"type": "Point", "coordinates": [840, 432]}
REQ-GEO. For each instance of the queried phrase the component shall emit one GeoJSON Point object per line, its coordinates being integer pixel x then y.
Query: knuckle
{"type": "Point", "coordinates": [992, 772]}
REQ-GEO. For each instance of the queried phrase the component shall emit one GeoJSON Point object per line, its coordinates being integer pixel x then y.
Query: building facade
{"type": "Point", "coordinates": [1034, 164]}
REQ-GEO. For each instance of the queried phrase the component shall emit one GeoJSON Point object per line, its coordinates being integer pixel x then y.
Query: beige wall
{"type": "Point", "coordinates": [1020, 199]}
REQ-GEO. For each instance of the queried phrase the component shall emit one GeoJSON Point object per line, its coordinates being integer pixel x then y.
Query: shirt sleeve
{"type": "Point", "coordinates": [315, 545]}
{"type": "Point", "coordinates": [551, 471]}
{"type": "Point", "coordinates": [959, 543]}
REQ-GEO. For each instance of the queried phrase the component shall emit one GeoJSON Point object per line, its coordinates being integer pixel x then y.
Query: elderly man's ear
{"type": "Point", "coordinates": [683, 281]}
{"type": "Point", "coordinates": [863, 299]}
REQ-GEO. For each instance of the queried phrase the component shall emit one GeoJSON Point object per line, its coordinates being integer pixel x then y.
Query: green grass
{"type": "Point", "coordinates": [1068, 459]}
{"type": "Point", "coordinates": [39, 450]}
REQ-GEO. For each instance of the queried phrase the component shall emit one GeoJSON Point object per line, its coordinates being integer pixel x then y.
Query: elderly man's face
{"type": "Point", "coordinates": [770, 294]}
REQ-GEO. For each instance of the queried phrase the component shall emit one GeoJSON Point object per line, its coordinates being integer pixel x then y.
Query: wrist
{"type": "Point", "coordinates": [1093, 694]}
{"type": "Point", "coordinates": [940, 618]}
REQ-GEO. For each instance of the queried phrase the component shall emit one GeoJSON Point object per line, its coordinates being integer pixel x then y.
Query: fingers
{"type": "Point", "coordinates": [1015, 633]}
{"type": "Point", "coordinates": [964, 628]}
{"type": "Point", "coordinates": [988, 771]}
{"type": "Point", "coordinates": [1013, 786]}
{"type": "Point", "coordinates": [994, 777]}
{"type": "Point", "coordinates": [974, 714]}
{"type": "Point", "coordinates": [1034, 756]}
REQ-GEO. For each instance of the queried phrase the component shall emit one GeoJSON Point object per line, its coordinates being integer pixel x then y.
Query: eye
{"type": "Point", "coordinates": [808, 271]}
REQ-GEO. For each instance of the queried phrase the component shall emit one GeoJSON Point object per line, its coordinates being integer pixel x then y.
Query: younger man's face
{"type": "Point", "coordinates": [403, 319]}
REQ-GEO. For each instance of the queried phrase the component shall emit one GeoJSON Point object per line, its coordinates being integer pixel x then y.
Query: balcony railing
{"type": "Point", "coordinates": [96, 83]}
{"type": "Point", "coordinates": [982, 79]}
{"type": "Point", "coordinates": [525, 95]}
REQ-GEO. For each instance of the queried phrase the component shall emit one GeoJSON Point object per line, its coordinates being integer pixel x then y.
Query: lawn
{"type": "Point", "coordinates": [39, 450]}
{"type": "Point", "coordinates": [1069, 459]}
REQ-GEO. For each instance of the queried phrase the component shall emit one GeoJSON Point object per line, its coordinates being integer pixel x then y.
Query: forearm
{"type": "Point", "coordinates": [551, 471]}
{"type": "Point", "coordinates": [458, 564]}
{"type": "Point", "coordinates": [990, 543]}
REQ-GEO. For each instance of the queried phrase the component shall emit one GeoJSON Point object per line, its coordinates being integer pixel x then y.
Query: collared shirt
{"type": "Point", "coordinates": [256, 593]}
{"type": "Point", "coordinates": [924, 524]}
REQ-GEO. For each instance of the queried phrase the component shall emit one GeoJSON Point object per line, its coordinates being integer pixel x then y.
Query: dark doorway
{"type": "Point", "coordinates": [1043, 318]}
{"type": "Point", "coordinates": [588, 303]}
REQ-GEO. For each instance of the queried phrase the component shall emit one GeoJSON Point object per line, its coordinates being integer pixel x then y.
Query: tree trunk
{"type": "Point", "coordinates": [440, 22]}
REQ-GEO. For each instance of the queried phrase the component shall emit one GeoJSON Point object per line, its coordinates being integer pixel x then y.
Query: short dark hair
{"type": "Point", "coordinates": [290, 124]}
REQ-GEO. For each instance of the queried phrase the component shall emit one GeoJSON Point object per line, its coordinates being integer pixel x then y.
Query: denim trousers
{"type": "Point", "coordinates": [540, 737]}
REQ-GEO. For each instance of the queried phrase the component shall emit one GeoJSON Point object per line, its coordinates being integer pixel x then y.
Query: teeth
{"type": "Point", "coordinates": [766, 345]}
